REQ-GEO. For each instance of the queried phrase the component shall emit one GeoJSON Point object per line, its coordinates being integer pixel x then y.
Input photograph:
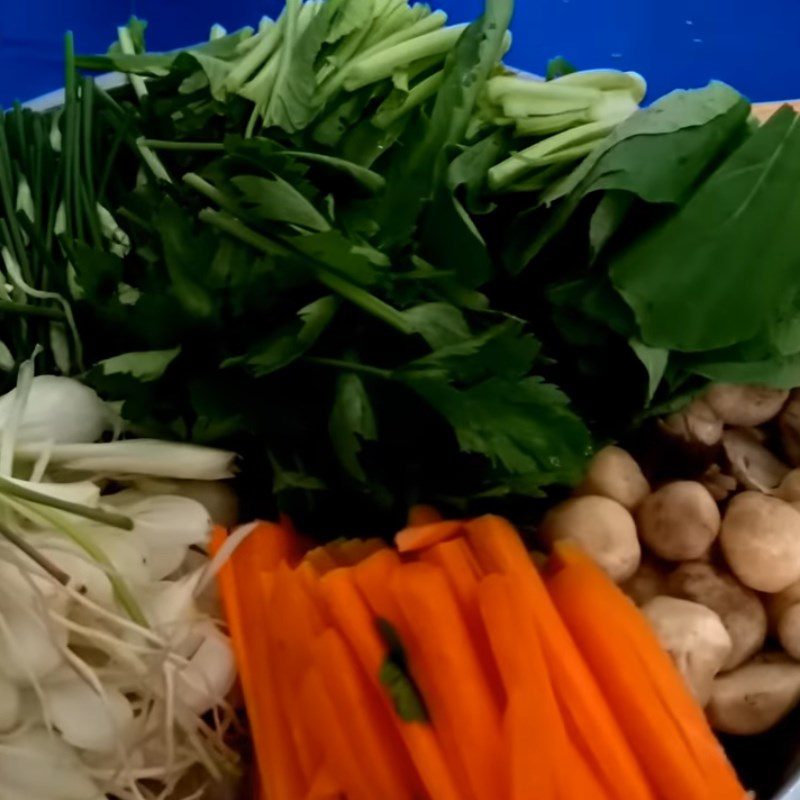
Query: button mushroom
{"type": "Point", "coordinates": [751, 463]}
{"type": "Point", "coordinates": [679, 521]}
{"type": "Point", "coordinates": [603, 527]}
{"type": "Point", "coordinates": [719, 484]}
{"type": "Point", "coordinates": [695, 424]}
{"type": "Point", "coordinates": [789, 489]}
{"type": "Point", "coordinates": [647, 582]}
{"type": "Point", "coordinates": [614, 473]}
{"type": "Point", "coordinates": [789, 424]}
{"type": "Point", "coordinates": [760, 540]}
{"type": "Point", "coordinates": [740, 609]}
{"type": "Point", "coordinates": [746, 406]}
{"type": "Point", "coordinates": [695, 638]}
{"type": "Point", "coordinates": [784, 617]}
{"type": "Point", "coordinates": [754, 697]}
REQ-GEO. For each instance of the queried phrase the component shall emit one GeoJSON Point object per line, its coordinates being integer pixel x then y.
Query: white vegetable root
{"type": "Point", "coordinates": [696, 424]}
{"type": "Point", "coordinates": [614, 473]}
{"type": "Point", "coordinates": [679, 521]}
{"type": "Point", "coordinates": [603, 527]}
{"type": "Point", "coordinates": [760, 539]}
{"type": "Point", "coordinates": [755, 697]}
{"type": "Point", "coordinates": [695, 638]}
{"type": "Point", "coordinates": [746, 406]}
{"type": "Point", "coordinates": [740, 609]}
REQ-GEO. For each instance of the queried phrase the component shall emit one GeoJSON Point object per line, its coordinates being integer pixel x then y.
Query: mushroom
{"type": "Point", "coordinates": [679, 521]}
{"type": "Point", "coordinates": [751, 463]}
{"type": "Point", "coordinates": [754, 697]}
{"type": "Point", "coordinates": [614, 473]}
{"type": "Point", "coordinates": [740, 609]}
{"type": "Point", "coordinates": [647, 582]}
{"type": "Point", "coordinates": [719, 484]}
{"type": "Point", "coordinates": [789, 424]}
{"type": "Point", "coordinates": [760, 540]}
{"type": "Point", "coordinates": [695, 639]}
{"type": "Point", "coordinates": [695, 424]}
{"type": "Point", "coordinates": [789, 489]}
{"type": "Point", "coordinates": [784, 617]}
{"type": "Point", "coordinates": [603, 527]}
{"type": "Point", "coordinates": [746, 406]}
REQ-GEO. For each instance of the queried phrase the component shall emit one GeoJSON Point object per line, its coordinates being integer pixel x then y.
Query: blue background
{"type": "Point", "coordinates": [674, 43]}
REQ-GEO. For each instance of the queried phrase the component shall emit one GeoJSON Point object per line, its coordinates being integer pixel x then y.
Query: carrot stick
{"type": "Point", "coordinates": [422, 515]}
{"type": "Point", "coordinates": [242, 595]}
{"type": "Point", "coordinates": [322, 559]}
{"type": "Point", "coordinates": [357, 624]}
{"type": "Point", "coordinates": [457, 561]}
{"type": "Point", "coordinates": [588, 718]}
{"type": "Point", "coordinates": [381, 754]}
{"type": "Point", "coordinates": [422, 536]}
{"type": "Point", "coordinates": [460, 703]}
{"type": "Point", "coordinates": [663, 724]}
{"type": "Point", "coordinates": [333, 736]}
{"type": "Point", "coordinates": [373, 578]}
{"type": "Point", "coordinates": [352, 551]}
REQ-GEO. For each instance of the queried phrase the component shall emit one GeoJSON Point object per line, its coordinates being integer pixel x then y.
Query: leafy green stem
{"type": "Point", "coordinates": [351, 366]}
{"type": "Point", "coordinates": [29, 310]}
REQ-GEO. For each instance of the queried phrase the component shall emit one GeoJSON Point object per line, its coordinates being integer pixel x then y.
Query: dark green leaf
{"type": "Point", "coordinates": [655, 361]}
{"type": "Point", "coordinates": [290, 342]}
{"type": "Point", "coordinates": [439, 324]}
{"type": "Point", "coordinates": [145, 366]}
{"type": "Point", "coordinates": [395, 677]}
{"type": "Point", "coordinates": [558, 67]}
{"type": "Point", "coordinates": [352, 422]}
{"type": "Point", "coordinates": [715, 273]}
{"type": "Point", "coordinates": [277, 200]}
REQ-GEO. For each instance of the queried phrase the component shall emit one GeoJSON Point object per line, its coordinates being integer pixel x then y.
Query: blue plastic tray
{"type": "Point", "coordinates": [673, 43]}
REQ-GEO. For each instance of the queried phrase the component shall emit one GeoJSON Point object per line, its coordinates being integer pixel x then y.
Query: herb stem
{"type": "Point", "coordinates": [29, 310]}
{"type": "Point", "coordinates": [164, 144]}
{"type": "Point", "coordinates": [351, 366]}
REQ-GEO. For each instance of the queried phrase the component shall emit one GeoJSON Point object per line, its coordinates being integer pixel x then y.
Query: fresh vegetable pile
{"type": "Point", "coordinates": [451, 670]}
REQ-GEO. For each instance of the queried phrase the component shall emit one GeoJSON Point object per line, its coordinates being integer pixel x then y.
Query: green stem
{"type": "Point", "coordinates": [164, 144]}
{"type": "Point", "coordinates": [123, 593]}
{"type": "Point", "coordinates": [344, 288]}
{"type": "Point", "coordinates": [386, 115]}
{"type": "Point", "coordinates": [28, 310]}
{"type": "Point", "coordinates": [351, 366]}
{"type": "Point", "coordinates": [209, 190]}
{"type": "Point", "coordinates": [110, 518]}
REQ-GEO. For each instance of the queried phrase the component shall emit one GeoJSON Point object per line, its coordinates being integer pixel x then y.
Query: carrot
{"type": "Point", "coordinates": [358, 626]}
{"type": "Point", "coordinates": [351, 551]}
{"type": "Point", "coordinates": [457, 561]}
{"type": "Point", "coordinates": [663, 724]}
{"type": "Point", "coordinates": [381, 754]}
{"type": "Point", "coordinates": [422, 515]}
{"type": "Point", "coordinates": [462, 707]}
{"type": "Point", "coordinates": [534, 732]}
{"type": "Point", "coordinates": [332, 735]}
{"type": "Point", "coordinates": [243, 599]}
{"type": "Point", "coordinates": [587, 716]}
{"type": "Point", "coordinates": [422, 536]}
{"type": "Point", "coordinates": [374, 578]}
{"type": "Point", "coordinates": [321, 559]}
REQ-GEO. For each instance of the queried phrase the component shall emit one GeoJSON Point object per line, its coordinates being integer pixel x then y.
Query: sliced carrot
{"type": "Point", "coordinates": [457, 561]}
{"type": "Point", "coordinates": [358, 625]}
{"type": "Point", "coordinates": [462, 708]}
{"type": "Point", "coordinates": [242, 591]}
{"type": "Point", "coordinates": [663, 724]}
{"type": "Point", "coordinates": [333, 736]}
{"type": "Point", "coordinates": [352, 551]}
{"type": "Point", "coordinates": [382, 756]}
{"type": "Point", "coordinates": [321, 559]}
{"type": "Point", "coordinates": [374, 578]}
{"type": "Point", "coordinates": [588, 719]}
{"type": "Point", "coordinates": [422, 515]}
{"type": "Point", "coordinates": [422, 536]}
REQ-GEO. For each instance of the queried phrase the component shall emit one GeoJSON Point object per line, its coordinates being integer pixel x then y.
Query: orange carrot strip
{"type": "Point", "coordinates": [333, 736]}
{"type": "Point", "coordinates": [456, 559]}
{"type": "Point", "coordinates": [321, 559]}
{"type": "Point", "coordinates": [534, 734]}
{"type": "Point", "coordinates": [460, 703]}
{"type": "Point", "coordinates": [663, 724]}
{"type": "Point", "coordinates": [422, 515]}
{"type": "Point", "coordinates": [374, 577]}
{"type": "Point", "coordinates": [382, 756]}
{"type": "Point", "coordinates": [422, 536]}
{"type": "Point", "coordinates": [242, 594]}
{"type": "Point", "coordinates": [588, 718]}
{"type": "Point", "coordinates": [357, 624]}
{"type": "Point", "coordinates": [352, 551]}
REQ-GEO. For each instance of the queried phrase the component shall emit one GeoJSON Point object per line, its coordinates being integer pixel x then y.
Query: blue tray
{"type": "Point", "coordinates": [673, 43]}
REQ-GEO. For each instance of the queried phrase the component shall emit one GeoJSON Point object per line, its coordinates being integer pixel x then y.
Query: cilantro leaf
{"type": "Point", "coordinates": [352, 422]}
